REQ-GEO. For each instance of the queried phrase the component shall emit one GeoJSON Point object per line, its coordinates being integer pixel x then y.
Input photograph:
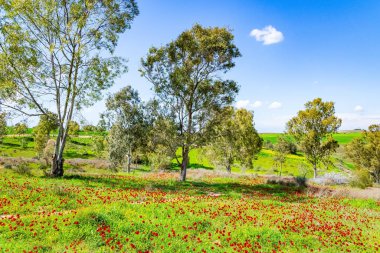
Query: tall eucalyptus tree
{"type": "Point", "coordinates": [54, 56]}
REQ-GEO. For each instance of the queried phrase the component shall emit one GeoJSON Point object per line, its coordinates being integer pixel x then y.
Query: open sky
{"type": "Point", "coordinates": [292, 51]}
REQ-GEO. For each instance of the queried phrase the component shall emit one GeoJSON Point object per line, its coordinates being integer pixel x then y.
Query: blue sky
{"type": "Point", "coordinates": [327, 48]}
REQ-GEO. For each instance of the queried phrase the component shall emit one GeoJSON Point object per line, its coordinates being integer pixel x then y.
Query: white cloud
{"type": "Point", "coordinates": [357, 120]}
{"type": "Point", "coordinates": [358, 108]}
{"type": "Point", "coordinates": [257, 104]}
{"type": "Point", "coordinates": [275, 105]}
{"type": "Point", "coordinates": [242, 104]}
{"type": "Point", "coordinates": [247, 104]}
{"type": "Point", "coordinates": [268, 35]}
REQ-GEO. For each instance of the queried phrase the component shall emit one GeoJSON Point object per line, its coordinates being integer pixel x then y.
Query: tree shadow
{"type": "Point", "coordinates": [79, 143]}
{"type": "Point", "coordinates": [199, 166]}
{"type": "Point", "coordinates": [285, 193]}
{"type": "Point", "coordinates": [9, 144]}
{"type": "Point", "coordinates": [74, 154]}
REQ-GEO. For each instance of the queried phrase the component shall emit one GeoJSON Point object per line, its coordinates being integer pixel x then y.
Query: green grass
{"type": "Point", "coordinates": [153, 212]}
{"type": "Point", "coordinates": [342, 138]}
{"type": "Point", "coordinates": [76, 147]}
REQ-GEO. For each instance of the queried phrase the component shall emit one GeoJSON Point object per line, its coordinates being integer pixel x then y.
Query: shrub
{"type": "Point", "coordinates": [159, 161]}
{"type": "Point", "coordinates": [268, 144]}
{"type": "Point", "coordinates": [362, 179]}
{"type": "Point", "coordinates": [48, 152]}
{"type": "Point", "coordinates": [23, 169]}
{"type": "Point", "coordinates": [301, 181]}
{"type": "Point", "coordinates": [7, 166]}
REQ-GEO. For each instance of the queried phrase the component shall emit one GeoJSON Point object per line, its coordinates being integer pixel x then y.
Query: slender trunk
{"type": "Point", "coordinates": [315, 171]}
{"type": "Point", "coordinates": [185, 161]}
{"type": "Point", "coordinates": [57, 161]}
{"type": "Point", "coordinates": [129, 161]}
{"type": "Point", "coordinates": [280, 169]}
{"type": "Point", "coordinates": [229, 168]}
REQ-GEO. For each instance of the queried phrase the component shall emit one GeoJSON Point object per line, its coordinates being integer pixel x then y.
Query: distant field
{"type": "Point", "coordinates": [342, 138]}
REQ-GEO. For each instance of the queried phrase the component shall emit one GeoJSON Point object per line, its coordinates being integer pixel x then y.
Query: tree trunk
{"type": "Point", "coordinates": [315, 171]}
{"type": "Point", "coordinates": [229, 168]}
{"type": "Point", "coordinates": [57, 166]}
{"type": "Point", "coordinates": [57, 163]}
{"type": "Point", "coordinates": [129, 158]}
{"type": "Point", "coordinates": [280, 169]}
{"type": "Point", "coordinates": [376, 175]}
{"type": "Point", "coordinates": [185, 161]}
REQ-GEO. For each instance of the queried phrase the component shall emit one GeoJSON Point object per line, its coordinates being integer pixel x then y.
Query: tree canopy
{"type": "Point", "coordinates": [365, 151]}
{"type": "Point", "coordinates": [129, 130]}
{"type": "Point", "coordinates": [312, 128]}
{"type": "Point", "coordinates": [185, 74]}
{"type": "Point", "coordinates": [234, 138]}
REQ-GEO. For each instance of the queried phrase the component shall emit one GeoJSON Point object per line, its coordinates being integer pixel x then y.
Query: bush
{"type": "Point", "coordinates": [159, 161]}
{"type": "Point", "coordinates": [362, 179]}
{"type": "Point", "coordinates": [23, 169]}
{"type": "Point", "coordinates": [268, 144]}
{"type": "Point", "coordinates": [7, 166]}
{"type": "Point", "coordinates": [301, 181]}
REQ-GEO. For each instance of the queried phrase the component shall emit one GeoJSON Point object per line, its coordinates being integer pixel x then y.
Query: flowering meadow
{"type": "Point", "coordinates": [153, 212]}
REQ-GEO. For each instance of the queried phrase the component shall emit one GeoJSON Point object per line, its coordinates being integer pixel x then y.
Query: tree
{"type": "Point", "coordinates": [365, 151]}
{"type": "Point", "coordinates": [21, 129]}
{"type": "Point", "coordinates": [125, 111]}
{"type": "Point", "coordinates": [3, 125]}
{"type": "Point", "coordinates": [234, 138]}
{"type": "Point", "coordinates": [53, 54]}
{"type": "Point", "coordinates": [161, 146]}
{"type": "Point", "coordinates": [89, 128]}
{"type": "Point", "coordinates": [281, 150]}
{"type": "Point", "coordinates": [99, 145]}
{"type": "Point", "coordinates": [185, 76]}
{"type": "Point", "coordinates": [312, 128]}
{"type": "Point", "coordinates": [74, 128]}
{"type": "Point", "coordinates": [47, 123]}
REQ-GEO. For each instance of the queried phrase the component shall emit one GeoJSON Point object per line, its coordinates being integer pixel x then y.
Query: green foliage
{"type": "Point", "coordinates": [162, 147]}
{"type": "Point", "coordinates": [21, 129]}
{"type": "Point", "coordinates": [268, 144]}
{"type": "Point", "coordinates": [74, 128]}
{"type": "Point", "coordinates": [183, 75]}
{"type": "Point", "coordinates": [99, 144]}
{"type": "Point", "coordinates": [234, 138]}
{"type": "Point", "coordinates": [281, 149]}
{"type": "Point", "coordinates": [312, 128]}
{"type": "Point", "coordinates": [41, 132]}
{"type": "Point", "coordinates": [365, 151]}
{"type": "Point", "coordinates": [361, 179]}
{"type": "Point", "coordinates": [23, 168]}
{"type": "Point", "coordinates": [89, 128]}
{"type": "Point", "coordinates": [129, 128]}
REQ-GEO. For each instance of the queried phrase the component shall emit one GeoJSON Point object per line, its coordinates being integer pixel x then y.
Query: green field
{"type": "Point", "coordinates": [342, 138]}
